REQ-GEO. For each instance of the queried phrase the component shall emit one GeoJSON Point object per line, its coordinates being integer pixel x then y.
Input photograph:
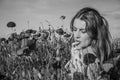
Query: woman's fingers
{"type": "Point", "coordinates": [75, 44]}
{"type": "Point", "coordinates": [75, 47]}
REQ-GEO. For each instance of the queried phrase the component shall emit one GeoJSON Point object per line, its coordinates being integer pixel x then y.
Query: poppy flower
{"type": "Point", "coordinates": [57, 65]}
{"type": "Point", "coordinates": [30, 31]}
{"type": "Point", "coordinates": [14, 35]}
{"type": "Point", "coordinates": [2, 39]}
{"type": "Point", "coordinates": [11, 24]}
{"type": "Point", "coordinates": [62, 17]}
{"type": "Point", "coordinates": [22, 34]}
{"type": "Point", "coordinates": [19, 37]}
{"type": "Point", "coordinates": [10, 38]}
{"type": "Point", "coordinates": [89, 58]}
{"type": "Point", "coordinates": [38, 35]}
{"type": "Point", "coordinates": [44, 35]}
{"type": "Point", "coordinates": [67, 35]}
{"type": "Point", "coordinates": [27, 35]}
{"type": "Point", "coordinates": [60, 31]}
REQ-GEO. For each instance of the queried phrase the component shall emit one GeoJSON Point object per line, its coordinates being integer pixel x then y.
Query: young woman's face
{"type": "Point", "coordinates": [80, 33]}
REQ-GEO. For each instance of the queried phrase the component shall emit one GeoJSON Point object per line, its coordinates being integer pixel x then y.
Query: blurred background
{"type": "Point", "coordinates": [34, 13]}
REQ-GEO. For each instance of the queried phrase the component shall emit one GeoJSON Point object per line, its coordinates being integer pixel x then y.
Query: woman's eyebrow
{"type": "Point", "coordinates": [82, 29]}
{"type": "Point", "coordinates": [74, 26]}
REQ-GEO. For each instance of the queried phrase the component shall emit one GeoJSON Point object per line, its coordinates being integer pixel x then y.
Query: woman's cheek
{"type": "Point", "coordinates": [85, 43]}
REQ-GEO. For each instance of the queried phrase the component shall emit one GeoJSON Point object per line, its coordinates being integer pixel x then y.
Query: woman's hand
{"type": "Point", "coordinates": [75, 47]}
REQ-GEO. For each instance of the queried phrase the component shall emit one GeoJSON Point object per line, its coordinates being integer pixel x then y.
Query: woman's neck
{"type": "Point", "coordinates": [88, 49]}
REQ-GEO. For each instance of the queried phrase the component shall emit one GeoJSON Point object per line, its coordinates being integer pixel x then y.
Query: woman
{"type": "Point", "coordinates": [92, 44]}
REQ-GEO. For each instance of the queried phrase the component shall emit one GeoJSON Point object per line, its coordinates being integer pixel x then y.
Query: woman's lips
{"type": "Point", "coordinates": [77, 43]}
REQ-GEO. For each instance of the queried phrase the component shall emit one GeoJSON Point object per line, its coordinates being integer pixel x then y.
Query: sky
{"type": "Point", "coordinates": [30, 14]}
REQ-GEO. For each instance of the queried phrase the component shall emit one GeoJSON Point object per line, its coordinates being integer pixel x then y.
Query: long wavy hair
{"type": "Point", "coordinates": [98, 29]}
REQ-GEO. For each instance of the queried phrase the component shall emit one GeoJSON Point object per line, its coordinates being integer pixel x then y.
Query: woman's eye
{"type": "Point", "coordinates": [83, 30]}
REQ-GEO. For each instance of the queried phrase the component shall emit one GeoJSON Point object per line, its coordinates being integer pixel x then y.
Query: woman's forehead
{"type": "Point", "coordinates": [79, 23]}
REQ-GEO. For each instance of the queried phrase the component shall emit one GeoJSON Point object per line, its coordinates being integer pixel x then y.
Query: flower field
{"type": "Point", "coordinates": [39, 57]}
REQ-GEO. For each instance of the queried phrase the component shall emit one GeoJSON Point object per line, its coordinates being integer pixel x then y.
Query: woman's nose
{"type": "Point", "coordinates": [77, 34]}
